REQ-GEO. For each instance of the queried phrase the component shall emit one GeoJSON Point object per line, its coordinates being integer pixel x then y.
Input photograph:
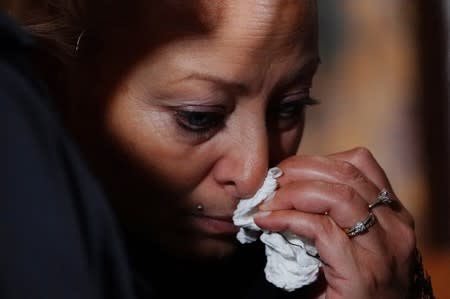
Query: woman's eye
{"type": "Point", "coordinates": [289, 112]}
{"type": "Point", "coordinates": [199, 121]}
{"type": "Point", "coordinates": [294, 109]}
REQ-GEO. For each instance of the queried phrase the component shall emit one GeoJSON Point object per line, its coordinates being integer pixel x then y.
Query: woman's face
{"type": "Point", "coordinates": [203, 117]}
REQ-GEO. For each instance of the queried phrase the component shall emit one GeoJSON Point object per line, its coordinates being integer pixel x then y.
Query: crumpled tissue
{"type": "Point", "coordinates": [292, 261]}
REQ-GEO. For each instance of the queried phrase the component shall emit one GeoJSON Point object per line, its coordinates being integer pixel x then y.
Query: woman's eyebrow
{"type": "Point", "coordinates": [306, 71]}
{"type": "Point", "coordinates": [226, 84]}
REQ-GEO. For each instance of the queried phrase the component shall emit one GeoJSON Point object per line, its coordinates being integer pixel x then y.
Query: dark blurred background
{"type": "Point", "coordinates": [384, 84]}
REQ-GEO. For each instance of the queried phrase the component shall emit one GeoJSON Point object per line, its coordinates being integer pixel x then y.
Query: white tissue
{"type": "Point", "coordinates": [291, 261]}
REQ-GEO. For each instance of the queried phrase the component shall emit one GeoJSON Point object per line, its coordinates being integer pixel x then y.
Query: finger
{"type": "Point", "coordinates": [341, 171]}
{"type": "Point", "coordinates": [341, 202]}
{"type": "Point", "coordinates": [319, 168]}
{"type": "Point", "coordinates": [335, 171]}
{"type": "Point", "coordinates": [363, 159]}
{"type": "Point", "coordinates": [334, 247]}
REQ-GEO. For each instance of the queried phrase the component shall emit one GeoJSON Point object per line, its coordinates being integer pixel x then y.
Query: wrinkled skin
{"type": "Point", "coordinates": [199, 118]}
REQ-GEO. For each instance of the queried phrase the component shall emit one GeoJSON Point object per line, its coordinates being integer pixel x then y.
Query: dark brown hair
{"type": "Point", "coordinates": [118, 32]}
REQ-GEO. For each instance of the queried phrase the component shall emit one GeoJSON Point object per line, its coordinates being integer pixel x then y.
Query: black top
{"type": "Point", "coordinates": [59, 238]}
{"type": "Point", "coordinates": [57, 234]}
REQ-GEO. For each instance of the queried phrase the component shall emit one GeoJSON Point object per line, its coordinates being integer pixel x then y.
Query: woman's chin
{"type": "Point", "coordinates": [216, 248]}
{"type": "Point", "coordinates": [208, 248]}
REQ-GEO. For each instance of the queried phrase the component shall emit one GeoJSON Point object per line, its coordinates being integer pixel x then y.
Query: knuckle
{"type": "Point", "coordinates": [349, 172]}
{"type": "Point", "coordinates": [327, 226]}
{"type": "Point", "coordinates": [345, 194]}
{"type": "Point", "coordinates": [290, 162]}
{"type": "Point", "coordinates": [408, 237]}
{"type": "Point", "coordinates": [410, 220]}
{"type": "Point", "coordinates": [363, 153]}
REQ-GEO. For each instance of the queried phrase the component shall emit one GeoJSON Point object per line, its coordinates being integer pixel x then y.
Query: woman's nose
{"type": "Point", "coordinates": [243, 166]}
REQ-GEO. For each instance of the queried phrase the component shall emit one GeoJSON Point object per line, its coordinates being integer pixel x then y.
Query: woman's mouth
{"type": "Point", "coordinates": [215, 225]}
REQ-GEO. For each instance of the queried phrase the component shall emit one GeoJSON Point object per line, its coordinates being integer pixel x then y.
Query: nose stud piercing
{"type": "Point", "coordinates": [199, 208]}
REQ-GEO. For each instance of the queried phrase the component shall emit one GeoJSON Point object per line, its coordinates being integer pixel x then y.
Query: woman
{"type": "Point", "coordinates": [181, 107]}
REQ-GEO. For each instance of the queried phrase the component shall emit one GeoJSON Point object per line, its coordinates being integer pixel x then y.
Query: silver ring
{"type": "Point", "coordinates": [384, 197]}
{"type": "Point", "coordinates": [361, 226]}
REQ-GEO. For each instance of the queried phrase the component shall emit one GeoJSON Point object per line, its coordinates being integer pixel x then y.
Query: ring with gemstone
{"type": "Point", "coordinates": [384, 197]}
{"type": "Point", "coordinates": [361, 226]}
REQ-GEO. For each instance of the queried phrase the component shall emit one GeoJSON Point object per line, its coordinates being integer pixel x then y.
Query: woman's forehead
{"type": "Point", "coordinates": [261, 15]}
{"type": "Point", "coordinates": [267, 26]}
{"type": "Point", "coordinates": [264, 16]}
{"type": "Point", "coordinates": [251, 23]}
{"type": "Point", "coordinates": [243, 32]}
{"type": "Point", "coordinates": [226, 34]}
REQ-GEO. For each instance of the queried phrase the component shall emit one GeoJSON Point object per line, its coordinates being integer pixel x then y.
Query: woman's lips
{"type": "Point", "coordinates": [215, 224]}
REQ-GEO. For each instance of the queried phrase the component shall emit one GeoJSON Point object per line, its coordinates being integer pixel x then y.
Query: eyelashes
{"type": "Point", "coordinates": [289, 113]}
{"type": "Point", "coordinates": [202, 122]}
{"type": "Point", "coordinates": [199, 121]}
{"type": "Point", "coordinates": [290, 109]}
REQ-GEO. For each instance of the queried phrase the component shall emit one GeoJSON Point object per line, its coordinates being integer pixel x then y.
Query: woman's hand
{"type": "Point", "coordinates": [318, 197]}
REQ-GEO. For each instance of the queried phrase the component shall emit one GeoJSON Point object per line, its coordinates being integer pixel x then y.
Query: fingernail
{"type": "Point", "coordinates": [262, 214]}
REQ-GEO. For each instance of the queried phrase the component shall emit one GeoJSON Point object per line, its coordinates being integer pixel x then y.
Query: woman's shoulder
{"type": "Point", "coordinates": [58, 235]}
